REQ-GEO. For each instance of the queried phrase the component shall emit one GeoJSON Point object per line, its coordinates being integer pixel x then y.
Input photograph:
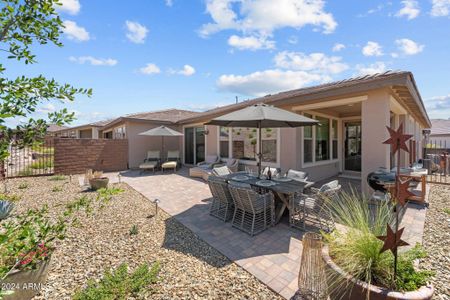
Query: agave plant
{"type": "Point", "coordinates": [5, 209]}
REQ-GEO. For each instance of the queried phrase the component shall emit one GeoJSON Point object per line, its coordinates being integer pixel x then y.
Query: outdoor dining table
{"type": "Point", "coordinates": [283, 190]}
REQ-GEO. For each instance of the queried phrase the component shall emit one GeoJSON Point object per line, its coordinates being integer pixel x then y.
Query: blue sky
{"type": "Point", "coordinates": [154, 54]}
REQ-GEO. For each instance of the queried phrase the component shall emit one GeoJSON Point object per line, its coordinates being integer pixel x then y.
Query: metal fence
{"type": "Point", "coordinates": [436, 154]}
{"type": "Point", "coordinates": [33, 160]}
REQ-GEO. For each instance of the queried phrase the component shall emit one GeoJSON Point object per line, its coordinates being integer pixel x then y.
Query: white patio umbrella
{"type": "Point", "coordinates": [161, 131]}
{"type": "Point", "coordinates": [262, 116]}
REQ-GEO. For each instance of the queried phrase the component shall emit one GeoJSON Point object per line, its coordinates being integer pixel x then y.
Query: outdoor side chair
{"type": "Point", "coordinates": [297, 175]}
{"type": "Point", "coordinates": [222, 205]}
{"type": "Point", "coordinates": [312, 208]}
{"type": "Point", "coordinates": [151, 162]}
{"type": "Point", "coordinates": [253, 212]}
{"type": "Point", "coordinates": [274, 171]}
{"type": "Point", "coordinates": [209, 162]}
{"type": "Point", "coordinates": [231, 163]}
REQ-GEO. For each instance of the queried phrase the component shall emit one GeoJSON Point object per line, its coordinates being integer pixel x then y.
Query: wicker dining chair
{"type": "Point", "coordinates": [311, 208]}
{"type": "Point", "coordinates": [253, 212]}
{"type": "Point", "coordinates": [221, 171]}
{"type": "Point", "coordinates": [222, 205]}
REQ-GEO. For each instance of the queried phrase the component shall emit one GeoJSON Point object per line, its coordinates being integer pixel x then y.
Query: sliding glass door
{"type": "Point", "coordinates": [352, 150]}
{"type": "Point", "coordinates": [194, 145]}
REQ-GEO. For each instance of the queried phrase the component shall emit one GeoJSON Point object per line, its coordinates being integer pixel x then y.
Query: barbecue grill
{"type": "Point", "coordinates": [380, 179]}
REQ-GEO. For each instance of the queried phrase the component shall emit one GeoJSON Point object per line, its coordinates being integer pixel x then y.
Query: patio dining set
{"type": "Point", "coordinates": [252, 203]}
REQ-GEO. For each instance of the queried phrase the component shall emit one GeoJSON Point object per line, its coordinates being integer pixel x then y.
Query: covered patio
{"type": "Point", "coordinates": [272, 256]}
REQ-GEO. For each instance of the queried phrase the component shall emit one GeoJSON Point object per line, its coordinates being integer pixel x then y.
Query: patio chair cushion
{"type": "Point", "coordinates": [221, 171]}
{"type": "Point", "coordinates": [148, 165]}
{"type": "Point", "coordinates": [153, 155]}
{"type": "Point", "coordinates": [169, 165]}
{"type": "Point", "coordinates": [328, 186]}
{"type": "Point", "coordinates": [200, 172]}
{"type": "Point", "coordinates": [297, 175]}
{"type": "Point", "coordinates": [274, 171]}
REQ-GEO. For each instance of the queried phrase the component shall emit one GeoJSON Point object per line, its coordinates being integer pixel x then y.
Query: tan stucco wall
{"type": "Point", "coordinates": [375, 116]}
{"type": "Point", "coordinates": [139, 145]}
{"type": "Point", "coordinates": [320, 172]}
{"type": "Point", "coordinates": [289, 145]}
{"type": "Point", "coordinates": [211, 140]}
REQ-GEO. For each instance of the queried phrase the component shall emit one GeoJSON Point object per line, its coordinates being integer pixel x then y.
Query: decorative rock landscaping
{"type": "Point", "coordinates": [436, 240]}
{"type": "Point", "coordinates": [102, 239]}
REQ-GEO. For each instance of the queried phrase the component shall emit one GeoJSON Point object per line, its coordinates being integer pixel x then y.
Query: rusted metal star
{"type": "Point", "coordinates": [403, 193]}
{"type": "Point", "coordinates": [397, 139]}
{"type": "Point", "coordinates": [392, 240]}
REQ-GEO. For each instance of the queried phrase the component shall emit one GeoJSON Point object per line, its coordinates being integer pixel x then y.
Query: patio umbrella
{"type": "Point", "coordinates": [262, 116]}
{"type": "Point", "coordinates": [161, 131]}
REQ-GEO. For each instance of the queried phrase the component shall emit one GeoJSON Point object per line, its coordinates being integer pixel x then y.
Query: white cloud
{"type": "Point", "coordinates": [75, 32]}
{"type": "Point", "coordinates": [409, 47]}
{"type": "Point", "coordinates": [314, 62]}
{"type": "Point", "coordinates": [136, 32]}
{"type": "Point", "coordinates": [438, 107]}
{"type": "Point", "coordinates": [48, 108]}
{"type": "Point", "coordinates": [250, 42]}
{"type": "Point", "coordinates": [94, 61]}
{"type": "Point", "coordinates": [169, 2]}
{"type": "Point", "coordinates": [372, 49]}
{"type": "Point", "coordinates": [186, 71]}
{"type": "Point", "coordinates": [440, 8]}
{"type": "Point", "coordinates": [150, 69]}
{"type": "Point", "coordinates": [265, 16]}
{"type": "Point", "coordinates": [268, 81]}
{"type": "Point", "coordinates": [72, 7]}
{"type": "Point", "coordinates": [378, 67]}
{"type": "Point", "coordinates": [293, 40]}
{"type": "Point", "coordinates": [410, 9]}
{"type": "Point", "coordinates": [338, 47]}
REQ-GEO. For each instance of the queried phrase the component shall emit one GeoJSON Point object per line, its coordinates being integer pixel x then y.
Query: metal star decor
{"type": "Point", "coordinates": [397, 139]}
{"type": "Point", "coordinates": [403, 193]}
{"type": "Point", "coordinates": [392, 240]}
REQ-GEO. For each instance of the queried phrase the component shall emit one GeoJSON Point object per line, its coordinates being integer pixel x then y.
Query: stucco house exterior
{"type": "Point", "coordinates": [85, 131]}
{"type": "Point", "coordinates": [440, 134]}
{"type": "Point", "coordinates": [353, 114]}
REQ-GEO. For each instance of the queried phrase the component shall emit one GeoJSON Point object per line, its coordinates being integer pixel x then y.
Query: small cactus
{"type": "Point", "coordinates": [5, 209]}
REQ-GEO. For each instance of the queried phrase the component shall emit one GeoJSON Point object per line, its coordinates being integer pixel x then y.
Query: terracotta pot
{"type": "Point", "coordinates": [356, 289]}
{"type": "Point", "coordinates": [98, 183]}
{"type": "Point", "coordinates": [26, 283]}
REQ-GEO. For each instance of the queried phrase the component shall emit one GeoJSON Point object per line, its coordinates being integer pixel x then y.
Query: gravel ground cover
{"type": "Point", "coordinates": [436, 239]}
{"type": "Point", "coordinates": [190, 268]}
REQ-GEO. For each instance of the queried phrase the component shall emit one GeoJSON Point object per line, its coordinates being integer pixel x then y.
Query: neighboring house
{"type": "Point", "coordinates": [130, 126]}
{"type": "Point", "coordinates": [440, 134]}
{"type": "Point", "coordinates": [85, 131]}
{"type": "Point", "coordinates": [54, 130]}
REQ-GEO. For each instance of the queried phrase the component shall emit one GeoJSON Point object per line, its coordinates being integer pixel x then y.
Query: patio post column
{"type": "Point", "coordinates": [375, 116]}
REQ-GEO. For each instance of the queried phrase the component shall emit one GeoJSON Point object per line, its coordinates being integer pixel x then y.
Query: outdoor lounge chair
{"type": "Point", "coordinates": [222, 205]}
{"type": "Point", "coordinates": [210, 161]}
{"type": "Point", "coordinates": [151, 162]}
{"type": "Point", "coordinates": [253, 212]}
{"type": "Point", "coordinates": [173, 158]}
{"type": "Point", "coordinates": [312, 208]}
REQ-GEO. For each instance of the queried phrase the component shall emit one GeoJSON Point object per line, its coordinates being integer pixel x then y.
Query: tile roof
{"type": "Point", "coordinates": [304, 91]}
{"type": "Point", "coordinates": [170, 115]}
{"type": "Point", "coordinates": [54, 127]}
{"type": "Point", "coordinates": [440, 126]}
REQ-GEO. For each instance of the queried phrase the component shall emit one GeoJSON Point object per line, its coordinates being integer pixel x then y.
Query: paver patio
{"type": "Point", "coordinates": [272, 256]}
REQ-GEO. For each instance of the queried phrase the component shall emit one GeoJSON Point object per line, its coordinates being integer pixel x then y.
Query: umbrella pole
{"type": "Point", "coordinates": [260, 150]}
{"type": "Point", "coordinates": [162, 148]}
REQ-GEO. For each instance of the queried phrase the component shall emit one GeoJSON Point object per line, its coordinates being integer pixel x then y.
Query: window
{"type": "Point", "coordinates": [224, 142]}
{"type": "Point", "coordinates": [307, 142]}
{"type": "Point", "coordinates": [335, 138]}
{"type": "Point", "coordinates": [244, 143]}
{"type": "Point", "coordinates": [119, 133]}
{"type": "Point", "coordinates": [320, 143]}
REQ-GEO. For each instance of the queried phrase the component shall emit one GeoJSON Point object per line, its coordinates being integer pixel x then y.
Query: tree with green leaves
{"type": "Point", "coordinates": [23, 24]}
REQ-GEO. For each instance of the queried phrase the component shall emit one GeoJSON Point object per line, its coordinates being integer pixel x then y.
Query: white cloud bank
{"type": "Point", "coordinates": [378, 67]}
{"type": "Point", "coordinates": [409, 47]}
{"type": "Point", "coordinates": [136, 33]}
{"type": "Point", "coordinates": [250, 43]}
{"type": "Point", "coordinates": [94, 61]}
{"type": "Point", "coordinates": [438, 107]}
{"type": "Point", "coordinates": [338, 47]}
{"type": "Point", "coordinates": [440, 8]}
{"type": "Point", "coordinates": [75, 32]}
{"type": "Point", "coordinates": [314, 62]}
{"type": "Point", "coordinates": [72, 7]}
{"type": "Point", "coordinates": [410, 10]}
{"type": "Point", "coordinates": [186, 71]}
{"type": "Point", "coordinates": [372, 49]}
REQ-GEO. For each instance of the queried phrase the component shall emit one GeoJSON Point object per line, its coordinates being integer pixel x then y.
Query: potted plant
{"type": "Point", "coordinates": [98, 181]}
{"type": "Point", "coordinates": [356, 268]}
{"type": "Point", "coordinates": [26, 245]}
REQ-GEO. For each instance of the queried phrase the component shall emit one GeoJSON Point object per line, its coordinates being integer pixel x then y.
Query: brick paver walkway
{"type": "Point", "coordinates": [272, 256]}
